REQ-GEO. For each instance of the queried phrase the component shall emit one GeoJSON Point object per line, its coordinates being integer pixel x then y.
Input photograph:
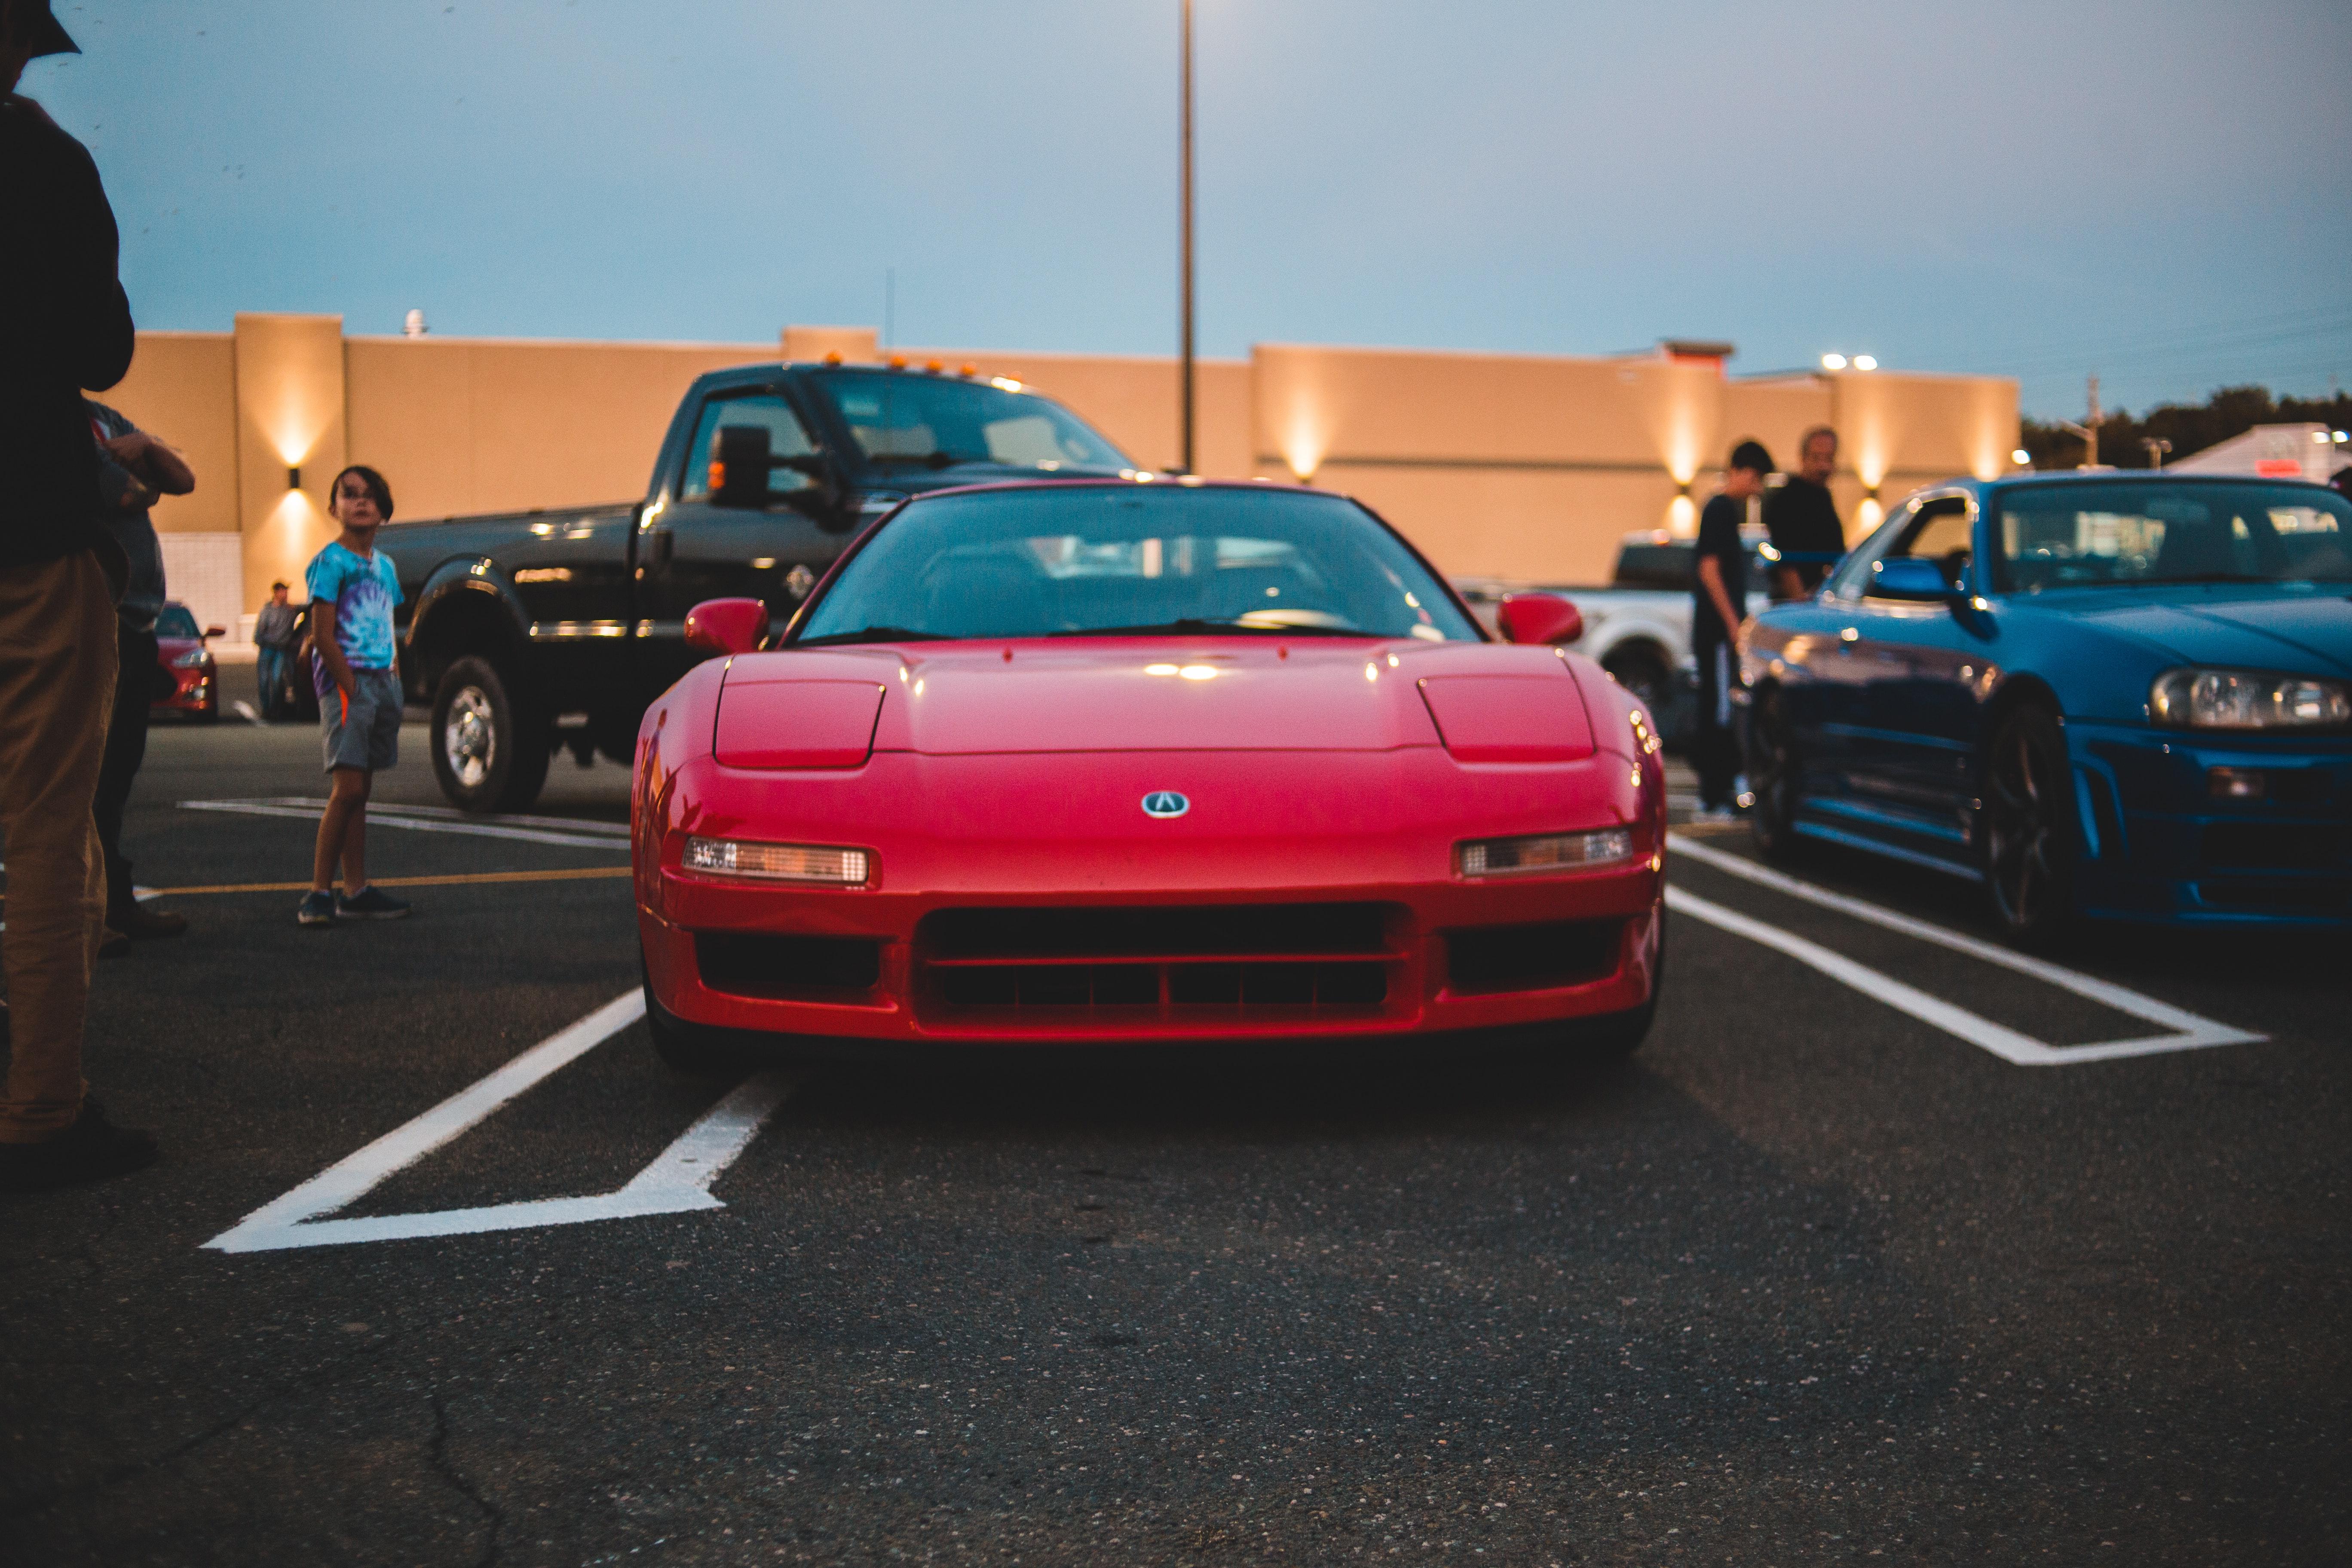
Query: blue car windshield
{"type": "Point", "coordinates": [2147, 532]}
{"type": "Point", "coordinates": [1114, 560]}
{"type": "Point", "coordinates": [900, 420]}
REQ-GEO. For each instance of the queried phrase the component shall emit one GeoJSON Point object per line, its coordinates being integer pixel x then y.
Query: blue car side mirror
{"type": "Point", "coordinates": [1911, 577]}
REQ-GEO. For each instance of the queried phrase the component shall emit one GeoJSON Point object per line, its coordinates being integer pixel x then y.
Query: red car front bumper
{"type": "Point", "coordinates": [1341, 920]}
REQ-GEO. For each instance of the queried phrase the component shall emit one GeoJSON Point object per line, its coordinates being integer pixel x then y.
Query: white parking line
{"type": "Point", "coordinates": [677, 1181]}
{"type": "Point", "coordinates": [2189, 1030]}
{"type": "Point", "coordinates": [436, 819]}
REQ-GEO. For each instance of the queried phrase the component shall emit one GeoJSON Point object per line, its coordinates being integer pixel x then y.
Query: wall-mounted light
{"type": "Point", "coordinates": [2022, 458]}
{"type": "Point", "coordinates": [1865, 362]}
{"type": "Point", "coordinates": [293, 477]}
{"type": "Point", "coordinates": [1834, 362]}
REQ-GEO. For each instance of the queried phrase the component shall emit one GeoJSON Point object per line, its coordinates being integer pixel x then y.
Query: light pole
{"type": "Point", "coordinates": [2089, 428]}
{"type": "Point", "coordinates": [1185, 118]}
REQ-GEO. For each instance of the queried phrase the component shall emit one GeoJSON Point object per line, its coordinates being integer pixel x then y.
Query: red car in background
{"type": "Point", "coordinates": [188, 665]}
{"type": "Point", "coordinates": [1177, 763]}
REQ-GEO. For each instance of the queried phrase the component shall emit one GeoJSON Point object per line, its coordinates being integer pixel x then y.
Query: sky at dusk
{"type": "Point", "coordinates": [2158, 192]}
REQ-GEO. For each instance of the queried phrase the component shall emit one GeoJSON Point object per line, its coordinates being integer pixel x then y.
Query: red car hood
{"type": "Point", "coordinates": [1150, 694]}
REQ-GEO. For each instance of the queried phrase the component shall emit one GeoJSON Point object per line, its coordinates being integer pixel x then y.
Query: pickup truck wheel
{"type": "Point", "coordinates": [1641, 673]}
{"type": "Point", "coordinates": [489, 753]}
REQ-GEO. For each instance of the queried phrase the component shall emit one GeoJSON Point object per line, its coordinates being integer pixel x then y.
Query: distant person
{"type": "Point", "coordinates": [1802, 519]}
{"type": "Point", "coordinates": [1718, 608]}
{"type": "Point", "coordinates": [353, 592]}
{"type": "Point", "coordinates": [274, 639]}
{"type": "Point", "coordinates": [64, 325]}
{"type": "Point", "coordinates": [133, 469]}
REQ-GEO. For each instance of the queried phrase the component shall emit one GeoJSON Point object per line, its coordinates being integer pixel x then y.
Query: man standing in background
{"type": "Point", "coordinates": [1802, 519]}
{"type": "Point", "coordinates": [64, 325]}
{"type": "Point", "coordinates": [1718, 610]}
{"type": "Point", "coordinates": [274, 638]}
{"type": "Point", "coordinates": [133, 469]}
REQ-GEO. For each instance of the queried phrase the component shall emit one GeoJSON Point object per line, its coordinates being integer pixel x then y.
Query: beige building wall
{"type": "Point", "coordinates": [182, 389]}
{"type": "Point", "coordinates": [467, 424]}
{"type": "Point", "coordinates": [1520, 466]}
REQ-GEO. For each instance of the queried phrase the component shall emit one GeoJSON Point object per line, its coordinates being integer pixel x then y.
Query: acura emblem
{"type": "Point", "coordinates": [1165, 803]}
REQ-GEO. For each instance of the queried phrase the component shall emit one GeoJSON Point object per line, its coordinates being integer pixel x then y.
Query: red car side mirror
{"type": "Point", "coordinates": [1538, 618]}
{"type": "Point", "coordinates": [727, 626]}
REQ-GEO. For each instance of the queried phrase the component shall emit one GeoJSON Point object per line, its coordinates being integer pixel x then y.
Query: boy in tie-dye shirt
{"type": "Point", "coordinates": [352, 590]}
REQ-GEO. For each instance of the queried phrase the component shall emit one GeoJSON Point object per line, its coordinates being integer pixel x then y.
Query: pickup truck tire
{"type": "Point", "coordinates": [1643, 673]}
{"type": "Point", "coordinates": [1776, 774]}
{"type": "Point", "coordinates": [489, 752]}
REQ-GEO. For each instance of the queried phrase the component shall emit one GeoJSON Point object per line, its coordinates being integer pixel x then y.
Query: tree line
{"type": "Point", "coordinates": [2191, 427]}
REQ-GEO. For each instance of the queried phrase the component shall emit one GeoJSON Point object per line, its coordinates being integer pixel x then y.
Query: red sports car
{"type": "Point", "coordinates": [1079, 763]}
{"type": "Point", "coordinates": [187, 664]}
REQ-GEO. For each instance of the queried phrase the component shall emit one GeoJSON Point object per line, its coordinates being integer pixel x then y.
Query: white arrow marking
{"type": "Point", "coordinates": [679, 1180]}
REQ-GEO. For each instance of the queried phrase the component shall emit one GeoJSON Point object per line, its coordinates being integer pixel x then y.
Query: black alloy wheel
{"type": "Point", "coordinates": [2025, 827]}
{"type": "Point", "coordinates": [489, 752]}
{"type": "Point", "coordinates": [1775, 775]}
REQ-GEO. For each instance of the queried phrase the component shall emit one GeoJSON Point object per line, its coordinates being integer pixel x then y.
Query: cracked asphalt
{"type": "Point", "coordinates": [1810, 1281]}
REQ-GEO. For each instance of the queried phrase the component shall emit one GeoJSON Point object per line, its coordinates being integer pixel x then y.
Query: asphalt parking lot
{"type": "Point", "coordinates": [1885, 1245]}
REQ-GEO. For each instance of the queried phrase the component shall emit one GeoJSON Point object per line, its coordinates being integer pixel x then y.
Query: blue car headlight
{"type": "Point", "coordinates": [2248, 699]}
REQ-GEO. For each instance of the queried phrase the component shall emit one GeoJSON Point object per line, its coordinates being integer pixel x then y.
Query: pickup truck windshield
{"type": "Point", "coordinates": [932, 422]}
{"type": "Point", "coordinates": [1056, 560]}
{"type": "Point", "coordinates": [2077, 535]}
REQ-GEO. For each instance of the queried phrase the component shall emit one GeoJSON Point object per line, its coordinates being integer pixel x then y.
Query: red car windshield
{"type": "Point", "coordinates": [1104, 559]}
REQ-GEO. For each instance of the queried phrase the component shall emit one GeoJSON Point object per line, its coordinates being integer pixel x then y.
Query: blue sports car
{"type": "Point", "coordinates": [2126, 696]}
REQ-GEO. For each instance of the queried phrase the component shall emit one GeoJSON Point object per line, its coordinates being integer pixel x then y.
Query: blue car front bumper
{"type": "Point", "coordinates": [2164, 840]}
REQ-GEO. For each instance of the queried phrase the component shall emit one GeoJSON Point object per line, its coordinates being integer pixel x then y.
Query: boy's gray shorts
{"type": "Point", "coordinates": [362, 730]}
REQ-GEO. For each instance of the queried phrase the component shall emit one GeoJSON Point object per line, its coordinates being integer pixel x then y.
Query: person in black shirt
{"type": "Point", "coordinates": [1802, 520]}
{"type": "Point", "coordinates": [1720, 598]}
{"type": "Point", "coordinates": [64, 325]}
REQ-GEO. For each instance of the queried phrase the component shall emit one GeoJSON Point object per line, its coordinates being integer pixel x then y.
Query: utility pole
{"type": "Point", "coordinates": [1185, 118]}
{"type": "Point", "coordinates": [2089, 429]}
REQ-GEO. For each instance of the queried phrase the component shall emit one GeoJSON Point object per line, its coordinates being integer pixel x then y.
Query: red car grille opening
{"type": "Point", "coordinates": [1236, 957]}
{"type": "Point", "coordinates": [1485, 960]}
{"type": "Point", "coordinates": [818, 968]}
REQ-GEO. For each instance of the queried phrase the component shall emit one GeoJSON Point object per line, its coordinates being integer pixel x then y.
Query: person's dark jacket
{"type": "Point", "coordinates": [64, 325]}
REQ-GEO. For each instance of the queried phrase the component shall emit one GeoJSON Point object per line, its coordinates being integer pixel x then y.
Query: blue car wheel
{"type": "Point", "coordinates": [2028, 828]}
{"type": "Point", "coordinates": [1775, 775]}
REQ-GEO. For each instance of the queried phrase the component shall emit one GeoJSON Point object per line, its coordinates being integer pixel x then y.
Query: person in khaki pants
{"type": "Point", "coordinates": [64, 325]}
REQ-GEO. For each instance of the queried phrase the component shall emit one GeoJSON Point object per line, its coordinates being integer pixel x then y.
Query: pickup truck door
{"type": "Point", "coordinates": [693, 549]}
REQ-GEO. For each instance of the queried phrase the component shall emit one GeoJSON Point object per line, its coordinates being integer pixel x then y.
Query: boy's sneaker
{"type": "Point", "coordinates": [1713, 815]}
{"type": "Point", "coordinates": [316, 910]}
{"type": "Point", "coordinates": [370, 903]}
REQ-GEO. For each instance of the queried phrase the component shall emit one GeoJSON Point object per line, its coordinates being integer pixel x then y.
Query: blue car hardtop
{"type": "Point", "coordinates": [2103, 694]}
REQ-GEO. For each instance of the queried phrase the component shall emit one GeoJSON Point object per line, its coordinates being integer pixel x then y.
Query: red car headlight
{"type": "Point", "coordinates": [1543, 852]}
{"type": "Point", "coordinates": [780, 862]}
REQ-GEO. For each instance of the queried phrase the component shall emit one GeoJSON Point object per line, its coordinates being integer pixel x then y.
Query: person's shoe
{"type": "Point", "coordinates": [1713, 815]}
{"type": "Point", "coordinates": [370, 903]}
{"type": "Point", "coordinates": [316, 910]}
{"type": "Point", "coordinates": [141, 923]}
{"type": "Point", "coordinates": [92, 1150]}
{"type": "Point", "coordinates": [113, 944]}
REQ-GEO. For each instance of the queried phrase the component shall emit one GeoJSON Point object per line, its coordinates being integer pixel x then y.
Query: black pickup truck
{"type": "Point", "coordinates": [528, 632]}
